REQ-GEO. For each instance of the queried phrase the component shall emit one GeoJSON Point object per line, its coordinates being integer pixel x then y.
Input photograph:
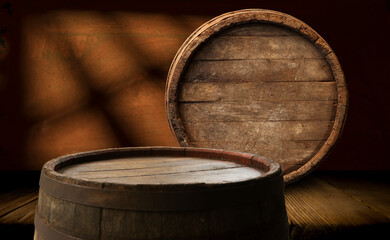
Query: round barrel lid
{"type": "Point", "coordinates": [262, 82]}
{"type": "Point", "coordinates": [161, 178]}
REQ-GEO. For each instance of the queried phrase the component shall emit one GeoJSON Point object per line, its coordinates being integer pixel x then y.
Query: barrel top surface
{"type": "Point", "coordinates": [158, 169]}
{"type": "Point", "coordinates": [261, 82]}
{"type": "Point", "coordinates": [161, 170]}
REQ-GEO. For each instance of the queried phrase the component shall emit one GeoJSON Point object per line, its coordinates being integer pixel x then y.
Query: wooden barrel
{"type": "Point", "coordinates": [258, 81]}
{"type": "Point", "coordinates": [161, 193]}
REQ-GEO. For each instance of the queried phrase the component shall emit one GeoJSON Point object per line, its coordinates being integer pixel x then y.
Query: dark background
{"type": "Point", "coordinates": [85, 75]}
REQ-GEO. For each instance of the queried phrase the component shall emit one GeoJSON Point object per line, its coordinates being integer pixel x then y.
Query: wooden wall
{"type": "Point", "coordinates": [83, 76]}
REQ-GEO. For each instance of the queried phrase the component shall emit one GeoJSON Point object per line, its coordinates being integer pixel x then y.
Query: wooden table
{"type": "Point", "coordinates": [324, 205]}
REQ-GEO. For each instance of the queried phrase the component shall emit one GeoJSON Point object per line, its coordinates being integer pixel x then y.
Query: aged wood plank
{"type": "Point", "coordinates": [186, 167]}
{"type": "Point", "coordinates": [24, 214]}
{"type": "Point", "coordinates": [258, 91]}
{"type": "Point", "coordinates": [316, 204]}
{"type": "Point", "coordinates": [317, 209]}
{"type": "Point", "coordinates": [371, 189]}
{"type": "Point", "coordinates": [257, 111]}
{"type": "Point", "coordinates": [259, 131]}
{"type": "Point", "coordinates": [14, 199]}
{"type": "Point", "coordinates": [208, 177]}
{"type": "Point", "coordinates": [282, 151]}
{"type": "Point", "coordinates": [120, 224]}
{"type": "Point", "coordinates": [185, 225]}
{"type": "Point", "coordinates": [77, 220]}
{"type": "Point", "coordinates": [126, 163]}
{"type": "Point", "coordinates": [257, 47]}
{"type": "Point", "coordinates": [290, 143]}
{"type": "Point", "coordinates": [258, 29]}
{"type": "Point", "coordinates": [264, 70]}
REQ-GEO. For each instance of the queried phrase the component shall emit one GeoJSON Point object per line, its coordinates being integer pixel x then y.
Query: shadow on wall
{"type": "Point", "coordinates": [92, 80]}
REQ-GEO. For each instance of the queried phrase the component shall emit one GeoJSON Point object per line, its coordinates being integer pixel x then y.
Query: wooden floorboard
{"type": "Point", "coordinates": [12, 201]}
{"type": "Point", "coordinates": [323, 205]}
{"type": "Point", "coordinates": [333, 206]}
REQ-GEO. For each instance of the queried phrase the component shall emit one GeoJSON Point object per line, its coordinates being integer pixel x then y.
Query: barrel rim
{"type": "Point", "coordinates": [269, 168]}
{"type": "Point", "coordinates": [221, 23]}
{"type": "Point", "coordinates": [164, 197]}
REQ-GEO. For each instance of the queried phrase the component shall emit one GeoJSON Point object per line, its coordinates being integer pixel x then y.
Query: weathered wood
{"type": "Point", "coordinates": [280, 150]}
{"type": "Point", "coordinates": [254, 111]}
{"type": "Point", "coordinates": [184, 170]}
{"type": "Point", "coordinates": [372, 188]}
{"type": "Point", "coordinates": [262, 131]}
{"type": "Point", "coordinates": [250, 91]}
{"type": "Point", "coordinates": [21, 214]}
{"type": "Point", "coordinates": [16, 199]}
{"type": "Point", "coordinates": [294, 70]}
{"type": "Point", "coordinates": [257, 47]}
{"type": "Point", "coordinates": [252, 78]}
{"type": "Point", "coordinates": [161, 193]}
{"type": "Point", "coordinates": [333, 206]}
{"type": "Point", "coordinates": [119, 224]}
{"type": "Point", "coordinates": [80, 220]}
{"type": "Point", "coordinates": [253, 29]}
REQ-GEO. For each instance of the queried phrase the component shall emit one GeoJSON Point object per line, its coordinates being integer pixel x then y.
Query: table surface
{"type": "Point", "coordinates": [323, 205]}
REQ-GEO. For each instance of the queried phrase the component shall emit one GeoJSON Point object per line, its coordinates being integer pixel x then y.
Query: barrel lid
{"type": "Point", "coordinates": [161, 178]}
{"type": "Point", "coordinates": [262, 82]}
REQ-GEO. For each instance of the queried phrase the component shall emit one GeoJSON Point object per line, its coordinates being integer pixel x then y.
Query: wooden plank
{"type": "Point", "coordinates": [282, 151]}
{"type": "Point", "coordinates": [14, 199]}
{"type": "Point", "coordinates": [209, 177]}
{"type": "Point", "coordinates": [290, 143]}
{"type": "Point", "coordinates": [259, 70]}
{"type": "Point", "coordinates": [260, 91]}
{"type": "Point", "coordinates": [22, 215]}
{"type": "Point", "coordinates": [257, 47]}
{"type": "Point", "coordinates": [76, 220]}
{"type": "Point", "coordinates": [371, 189]}
{"type": "Point", "coordinates": [316, 204]}
{"type": "Point", "coordinates": [120, 224]}
{"type": "Point", "coordinates": [258, 111]}
{"type": "Point", "coordinates": [185, 225]}
{"type": "Point", "coordinates": [318, 210]}
{"type": "Point", "coordinates": [258, 29]}
{"type": "Point", "coordinates": [259, 131]}
{"type": "Point", "coordinates": [126, 163]}
{"type": "Point", "coordinates": [227, 223]}
{"type": "Point", "coordinates": [194, 166]}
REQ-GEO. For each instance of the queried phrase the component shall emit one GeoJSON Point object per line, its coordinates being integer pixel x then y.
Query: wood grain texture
{"type": "Point", "coordinates": [163, 170]}
{"type": "Point", "coordinates": [337, 206]}
{"type": "Point", "coordinates": [257, 47]}
{"type": "Point", "coordinates": [15, 199]}
{"type": "Point", "coordinates": [73, 219]}
{"type": "Point", "coordinates": [161, 193]}
{"type": "Point", "coordinates": [243, 70]}
{"type": "Point", "coordinates": [253, 78]}
{"type": "Point", "coordinates": [267, 110]}
{"type": "Point", "coordinates": [244, 92]}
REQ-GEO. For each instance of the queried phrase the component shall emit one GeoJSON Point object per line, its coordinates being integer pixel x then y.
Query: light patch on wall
{"type": "Point", "coordinates": [95, 80]}
{"type": "Point", "coordinates": [50, 84]}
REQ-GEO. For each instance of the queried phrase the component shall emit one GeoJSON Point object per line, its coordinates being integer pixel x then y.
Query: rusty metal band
{"type": "Point", "coordinates": [47, 232]}
{"type": "Point", "coordinates": [162, 200]}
